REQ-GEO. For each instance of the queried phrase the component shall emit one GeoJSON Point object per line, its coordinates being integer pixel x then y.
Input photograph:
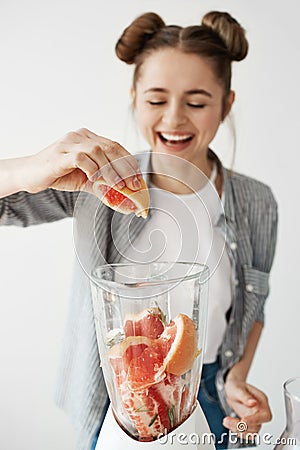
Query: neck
{"type": "Point", "coordinates": [178, 175]}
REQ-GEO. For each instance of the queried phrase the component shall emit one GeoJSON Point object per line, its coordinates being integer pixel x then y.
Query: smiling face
{"type": "Point", "coordinates": [179, 104]}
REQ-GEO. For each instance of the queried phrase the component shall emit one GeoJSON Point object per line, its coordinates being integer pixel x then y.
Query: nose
{"type": "Point", "coordinates": [174, 115]}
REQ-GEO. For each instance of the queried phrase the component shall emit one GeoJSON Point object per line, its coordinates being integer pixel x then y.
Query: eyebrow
{"type": "Point", "coordinates": [191, 92]}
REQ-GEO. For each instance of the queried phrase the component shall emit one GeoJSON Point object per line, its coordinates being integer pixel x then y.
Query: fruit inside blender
{"type": "Point", "coordinates": [150, 362]}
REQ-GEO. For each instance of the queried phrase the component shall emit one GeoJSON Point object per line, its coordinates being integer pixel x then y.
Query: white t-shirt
{"type": "Point", "coordinates": [181, 229]}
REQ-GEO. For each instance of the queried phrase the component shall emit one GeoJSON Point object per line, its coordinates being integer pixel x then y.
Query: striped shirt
{"type": "Point", "coordinates": [101, 236]}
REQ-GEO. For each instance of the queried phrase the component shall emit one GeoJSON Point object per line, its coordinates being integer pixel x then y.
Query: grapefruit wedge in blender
{"type": "Point", "coordinates": [149, 322]}
{"type": "Point", "coordinates": [120, 355]}
{"type": "Point", "coordinates": [125, 200]}
{"type": "Point", "coordinates": [179, 345]}
{"type": "Point", "coordinates": [151, 370]}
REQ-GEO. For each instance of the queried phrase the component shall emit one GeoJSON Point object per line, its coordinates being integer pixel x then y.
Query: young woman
{"type": "Point", "coordinates": [181, 93]}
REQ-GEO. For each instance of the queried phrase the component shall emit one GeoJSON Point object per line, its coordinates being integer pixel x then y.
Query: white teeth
{"type": "Point", "coordinates": [175, 137]}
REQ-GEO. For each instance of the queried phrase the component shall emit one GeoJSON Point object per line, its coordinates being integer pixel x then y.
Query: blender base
{"type": "Point", "coordinates": [193, 433]}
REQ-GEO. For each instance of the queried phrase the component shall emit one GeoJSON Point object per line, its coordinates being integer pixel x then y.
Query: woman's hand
{"type": "Point", "coordinates": [69, 163]}
{"type": "Point", "coordinates": [249, 403]}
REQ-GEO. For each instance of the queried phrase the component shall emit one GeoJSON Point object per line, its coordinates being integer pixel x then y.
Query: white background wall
{"type": "Point", "coordinates": [58, 72]}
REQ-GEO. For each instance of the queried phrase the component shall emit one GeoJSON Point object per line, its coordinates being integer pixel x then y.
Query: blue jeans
{"type": "Point", "coordinates": [94, 443]}
{"type": "Point", "coordinates": [208, 399]}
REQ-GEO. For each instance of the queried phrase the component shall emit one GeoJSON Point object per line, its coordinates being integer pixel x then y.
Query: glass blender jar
{"type": "Point", "coordinates": [150, 323]}
{"type": "Point", "coordinates": [290, 438]}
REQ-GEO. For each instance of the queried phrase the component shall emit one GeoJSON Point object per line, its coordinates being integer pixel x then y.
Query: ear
{"type": "Point", "coordinates": [228, 104]}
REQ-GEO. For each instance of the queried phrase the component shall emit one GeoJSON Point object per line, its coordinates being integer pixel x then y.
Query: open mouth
{"type": "Point", "coordinates": [175, 139]}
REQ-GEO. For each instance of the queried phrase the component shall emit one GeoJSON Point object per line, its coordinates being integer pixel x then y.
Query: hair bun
{"type": "Point", "coordinates": [230, 31]}
{"type": "Point", "coordinates": [136, 35]}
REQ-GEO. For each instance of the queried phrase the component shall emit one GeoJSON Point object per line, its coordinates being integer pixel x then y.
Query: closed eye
{"type": "Point", "coordinates": [156, 103]}
{"type": "Point", "coordinates": [196, 105]}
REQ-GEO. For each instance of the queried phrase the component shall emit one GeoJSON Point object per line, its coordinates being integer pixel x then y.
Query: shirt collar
{"type": "Point", "coordinates": [227, 187]}
{"type": "Point", "coordinates": [146, 169]}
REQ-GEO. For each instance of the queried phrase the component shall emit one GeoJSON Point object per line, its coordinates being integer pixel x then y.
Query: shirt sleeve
{"type": "Point", "coordinates": [264, 221]}
{"type": "Point", "coordinates": [24, 209]}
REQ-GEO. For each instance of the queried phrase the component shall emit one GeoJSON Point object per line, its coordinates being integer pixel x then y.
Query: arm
{"type": "Point", "coordinates": [24, 209]}
{"type": "Point", "coordinates": [240, 370]}
{"type": "Point", "coordinates": [69, 163]}
{"type": "Point", "coordinates": [66, 165]}
{"type": "Point", "coordinates": [249, 403]}
{"type": "Point", "coordinates": [20, 208]}
{"type": "Point", "coordinates": [12, 176]}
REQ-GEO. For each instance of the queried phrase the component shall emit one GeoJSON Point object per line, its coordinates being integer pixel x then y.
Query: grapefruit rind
{"type": "Point", "coordinates": [118, 350]}
{"type": "Point", "coordinates": [183, 350]}
{"type": "Point", "coordinates": [148, 374]}
{"type": "Point", "coordinates": [140, 198]}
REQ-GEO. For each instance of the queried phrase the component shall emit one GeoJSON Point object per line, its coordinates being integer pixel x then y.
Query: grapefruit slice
{"type": "Point", "coordinates": [125, 200]}
{"type": "Point", "coordinates": [149, 322]}
{"type": "Point", "coordinates": [179, 344]}
{"type": "Point", "coordinates": [147, 369]}
{"type": "Point", "coordinates": [148, 413]}
{"type": "Point", "coordinates": [120, 355]}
